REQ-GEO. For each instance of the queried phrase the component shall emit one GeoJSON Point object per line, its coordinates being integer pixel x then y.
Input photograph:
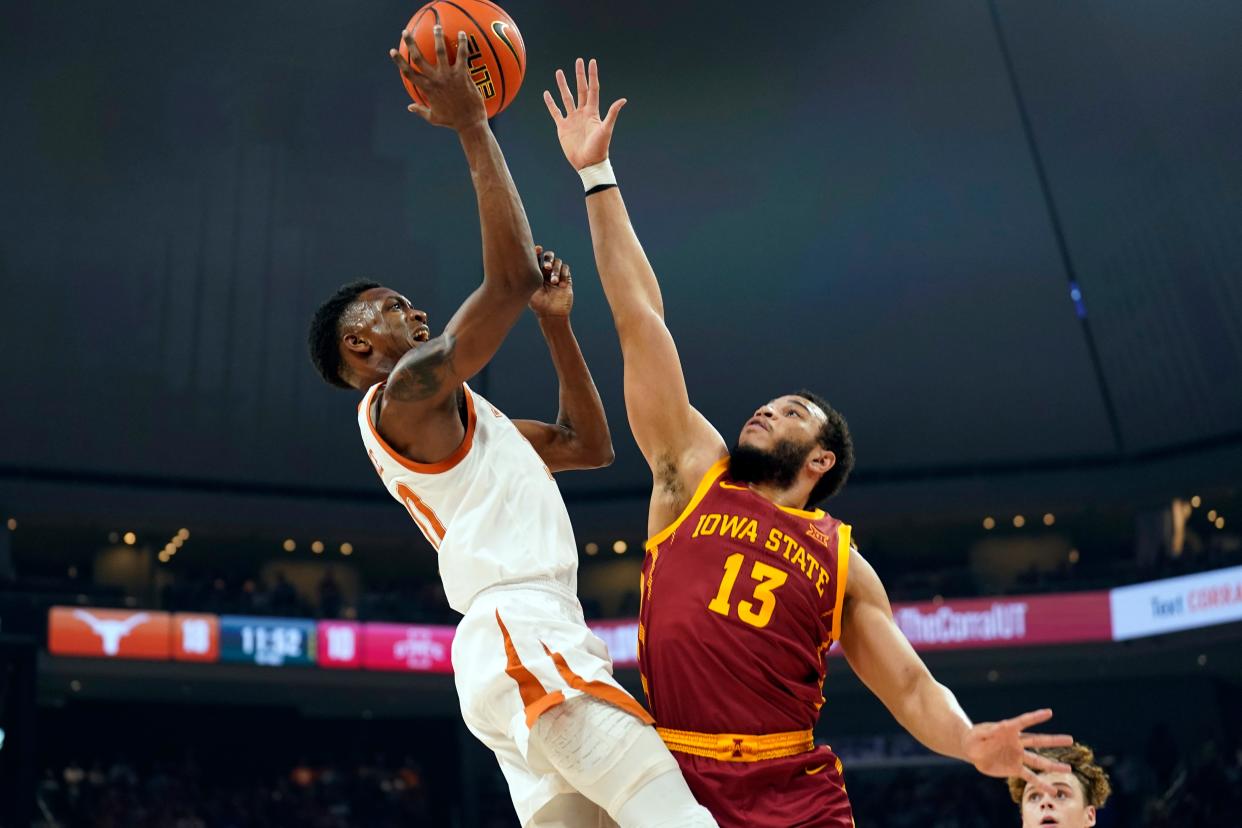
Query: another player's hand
{"type": "Point", "coordinates": [556, 296]}
{"type": "Point", "coordinates": [584, 137]}
{"type": "Point", "coordinates": [1001, 749]}
{"type": "Point", "coordinates": [453, 99]}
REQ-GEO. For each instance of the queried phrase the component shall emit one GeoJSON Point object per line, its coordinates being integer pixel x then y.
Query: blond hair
{"type": "Point", "coordinates": [1081, 759]}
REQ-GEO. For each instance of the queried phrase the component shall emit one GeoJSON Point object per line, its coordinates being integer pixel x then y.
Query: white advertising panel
{"type": "Point", "coordinates": [1185, 603]}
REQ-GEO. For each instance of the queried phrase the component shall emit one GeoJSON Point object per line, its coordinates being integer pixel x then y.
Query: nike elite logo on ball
{"type": "Point", "coordinates": [499, 26]}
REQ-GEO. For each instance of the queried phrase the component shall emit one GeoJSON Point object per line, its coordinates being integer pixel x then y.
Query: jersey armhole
{"type": "Point", "coordinates": [709, 479]}
{"type": "Point", "coordinates": [438, 467]}
{"type": "Point", "coordinates": [843, 571]}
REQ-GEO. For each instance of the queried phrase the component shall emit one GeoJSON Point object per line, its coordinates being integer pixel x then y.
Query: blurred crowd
{"type": "Point", "coordinates": [1161, 789]}
{"type": "Point", "coordinates": [184, 794]}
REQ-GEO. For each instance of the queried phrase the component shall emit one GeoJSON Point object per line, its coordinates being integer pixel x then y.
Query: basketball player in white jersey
{"type": "Point", "coordinates": [535, 685]}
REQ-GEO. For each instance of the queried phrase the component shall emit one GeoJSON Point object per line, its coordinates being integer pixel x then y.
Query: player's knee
{"type": "Point", "coordinates": [665, 801]}
{"type": "Point", "coordinates": [584, 738]}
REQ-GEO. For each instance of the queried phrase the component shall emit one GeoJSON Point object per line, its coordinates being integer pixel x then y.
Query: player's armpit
{"type": "Point", "coordinates": [561, 448]}
{"type": "Point", "coordinates": [677, 441]}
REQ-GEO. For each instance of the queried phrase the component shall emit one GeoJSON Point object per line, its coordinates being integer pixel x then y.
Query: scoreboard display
{"type": "Point", "coordinates": [270, 642]}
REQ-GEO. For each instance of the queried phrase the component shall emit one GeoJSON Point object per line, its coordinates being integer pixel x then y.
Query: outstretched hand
{"type": "Point", "coordinates": [1001, 749]}
{"type": "Point", "coordinates": [453, 100]}
{"type": "Point", "coordinates": [584, 136]}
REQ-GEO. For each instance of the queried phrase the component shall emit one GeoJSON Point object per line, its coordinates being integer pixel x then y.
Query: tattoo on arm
{"type": "Point", "coordinates": [424, 372]}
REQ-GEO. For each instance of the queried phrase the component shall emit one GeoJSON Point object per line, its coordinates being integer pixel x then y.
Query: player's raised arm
{"type": "Point", "coordinates": [579, 439]}
{"type": "Point", "coordinates": [677, 441]}
{"type": "Point", "coordinates": [883, 659]}
{"type": "Point", "coordinates": [433, 373]}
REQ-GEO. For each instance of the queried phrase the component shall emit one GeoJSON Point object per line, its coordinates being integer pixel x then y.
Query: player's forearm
{"type": "Point", "coordinates": [931, 714]}
{"type": "Point", "coordinates": [629, 282]}
{"type": "Point", "coordinates": [581, 410]}
{"type": "Point", "coordinates": [508, 249]}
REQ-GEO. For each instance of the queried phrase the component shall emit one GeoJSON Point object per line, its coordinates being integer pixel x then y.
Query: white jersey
{"type": "Point", "coordinates": [491, 508]}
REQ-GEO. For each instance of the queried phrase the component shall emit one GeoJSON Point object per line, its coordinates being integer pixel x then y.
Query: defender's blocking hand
{"type": "Point", "coordinates": [584, 136]}
{"type": "Point", "coordinates": [1001, 749]}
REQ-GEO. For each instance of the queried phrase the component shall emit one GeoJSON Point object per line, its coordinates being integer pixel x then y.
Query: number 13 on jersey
{"type": "Point", "coordinates": [769, 578]}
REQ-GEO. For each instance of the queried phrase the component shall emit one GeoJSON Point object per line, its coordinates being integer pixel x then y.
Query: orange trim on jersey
{"type": "Point", "coordinates": [535, 698]}
{"type": "Point", "coordinates": [439, 466]}
{"type": "Point", "coordinates": [414, 502]}
{"type": "Point", "coordinates": [705, 485]}
{"type": "Point", "coordinates": [843, 571]}
{"type": "Point", "coordinates": [599, 689]}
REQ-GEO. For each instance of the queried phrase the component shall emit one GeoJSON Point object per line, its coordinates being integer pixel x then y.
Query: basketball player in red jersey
{"type": "Point", "coordinates": [746, 584]}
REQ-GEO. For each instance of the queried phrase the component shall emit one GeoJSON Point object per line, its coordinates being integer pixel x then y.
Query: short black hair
{"type": "Point", "coordinates": [324, 339]}
{"type": "Point", "coordinates": [834, 436]}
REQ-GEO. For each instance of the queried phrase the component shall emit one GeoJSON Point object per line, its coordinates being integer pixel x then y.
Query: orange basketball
{"type": "Point", "coordinates": [496, 52]}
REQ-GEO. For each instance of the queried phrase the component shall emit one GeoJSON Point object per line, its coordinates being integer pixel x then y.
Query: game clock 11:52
{"type": "Point", "coordinates": [271, 642]}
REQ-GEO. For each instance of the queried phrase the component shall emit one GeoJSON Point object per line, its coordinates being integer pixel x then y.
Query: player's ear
{"type": "Point", "coordinates": [821, 460]}
{"type": "Point", "coordinates": [1090, 815]}
{"type": "Point", "coordinates": [357, 344]}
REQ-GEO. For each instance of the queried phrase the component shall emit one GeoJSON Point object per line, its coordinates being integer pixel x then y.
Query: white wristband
{"type": "Point", "coordinates": [598, 176]}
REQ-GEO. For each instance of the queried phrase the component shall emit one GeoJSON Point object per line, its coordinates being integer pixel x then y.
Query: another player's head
{"type": "Point", "coordinates": [358, 335]}
{"type": "Point", "coordinates": [797, 440]}
{"type": "Point", "coordinates": [1078, 793]}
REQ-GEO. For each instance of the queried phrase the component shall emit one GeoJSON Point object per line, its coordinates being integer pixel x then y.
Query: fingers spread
{"type": "Point", "coordinates": [416, 55]}
{"type": "Point", "coordinates": [580, 73]}
{"type": "Point", "coordinates": [593, 85]}
{"type": "Point", "coordinates": [610, 120]}
{"type": "Point", "coordinates": [1033, 778]}
{"type": "Point", "coordinates": [553, 109]}
{"type": "Point", "coordinates": [1029, 719]}
{"type": "Point", "coordinates": [441, 49]}
{"type": "Point", "coordinates": [567, 97]}
{"type": "Point", "coordinates": [1043, 763]}
{"type": "Point", "coordinates": [463, 53]}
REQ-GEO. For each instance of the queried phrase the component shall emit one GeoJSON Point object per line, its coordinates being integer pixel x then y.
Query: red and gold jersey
{"type": "Point", "coordinates": [741, 599]}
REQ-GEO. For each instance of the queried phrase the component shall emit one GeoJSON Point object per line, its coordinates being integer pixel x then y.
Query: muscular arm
{"type": "Point", "coordinates": [580, 438]}
{"type": "Point", "coordinates": [883, 659]}
{"type": "Point", "coordinates": [677, 441]}
{"type": "Point", "coordinates": [418, 410]}
{"type": "Point", "coordinates": [429, 375]}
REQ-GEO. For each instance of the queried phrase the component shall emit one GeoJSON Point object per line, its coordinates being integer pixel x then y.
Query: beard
{"type": "Point", "coordinates": [778, 467]}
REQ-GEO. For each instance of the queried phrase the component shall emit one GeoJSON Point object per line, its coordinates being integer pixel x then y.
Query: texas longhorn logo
{"type": "Point", "coordinates": [111, 631]}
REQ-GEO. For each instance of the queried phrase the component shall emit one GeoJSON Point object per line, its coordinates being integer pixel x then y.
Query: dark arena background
{"type": "Point", "coordinates": [1001, 237]}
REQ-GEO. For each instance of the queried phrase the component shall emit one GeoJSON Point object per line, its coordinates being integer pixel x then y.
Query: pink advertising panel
{"type": "Point", "coordinates": [407, 647]}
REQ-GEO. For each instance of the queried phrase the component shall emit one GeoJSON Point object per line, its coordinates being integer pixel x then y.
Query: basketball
{"type": "Point", "coordinates": [497, 54]}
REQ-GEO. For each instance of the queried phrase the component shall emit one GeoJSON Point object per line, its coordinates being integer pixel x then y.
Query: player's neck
{"type": "Point", "coordinates": [790, 498]}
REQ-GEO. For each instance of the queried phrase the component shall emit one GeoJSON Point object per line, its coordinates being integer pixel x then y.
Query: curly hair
{"type": "Point", "coordinates": [324, 336]}
{"type": "Point", "coordinates": [834, 436]}
{"type": "Point", "coordinates": [1081, 759]}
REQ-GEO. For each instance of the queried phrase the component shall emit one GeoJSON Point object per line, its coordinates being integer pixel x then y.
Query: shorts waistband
{"type": "Point", "coordinates": [738, 747]}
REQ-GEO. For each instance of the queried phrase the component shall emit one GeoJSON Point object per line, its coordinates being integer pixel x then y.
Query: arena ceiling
{"type": "Point", "coordinates": [1000, 237]}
